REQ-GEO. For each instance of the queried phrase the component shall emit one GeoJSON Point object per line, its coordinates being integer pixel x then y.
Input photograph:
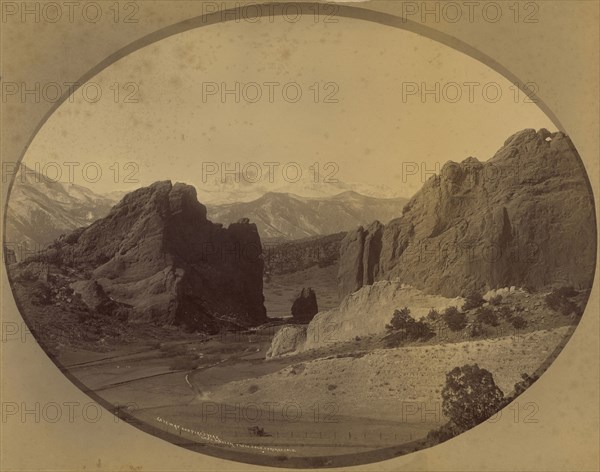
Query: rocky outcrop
{"type": "Point", "coordinates": [305, 306]}
{"type": "Point", "coordinates": [158, 253]}
{"type": "Point", "coordinates": [524, 218]}
{"type": "Point", "coordinates": [363, 313]}
{"type": "Point", "coordinates": [288, 340]}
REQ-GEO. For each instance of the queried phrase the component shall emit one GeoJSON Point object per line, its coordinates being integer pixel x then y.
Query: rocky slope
{"type": "Point", "coordinates": [40, 210]}
{"type": "Point", "coordinates": [289, 216]}
{"type": "Point", "coordinates": [158, 254]}
{"type": "Point", "coordinates": [363, 313]}
{"type": "Point", "coordinates": [525, 217]}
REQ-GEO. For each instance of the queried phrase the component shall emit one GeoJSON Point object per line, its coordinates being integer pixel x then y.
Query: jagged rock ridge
{"type": "Point", "coordinates": [157, 253]}
{"type": "Point", "coordinates": [524, 218]}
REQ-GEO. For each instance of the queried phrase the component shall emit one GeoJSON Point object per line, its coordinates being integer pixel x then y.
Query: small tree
{"type": "Point", "coordinates": [455, 320]}
{"type": "Point", "coordinates": [518, 322]}
{"type": "Point", "coordinates": [473, 300]}
{"type": "Point", "coordinates": [487, 316]}
{"type": "Point", "coordinates": [433, 316]}
{"type": "Point", "coordinates": [470, 396]}
{"type": "Point", "coordinates": [400, 320]}
{"type": "Point", "coordinates": [404, 327]}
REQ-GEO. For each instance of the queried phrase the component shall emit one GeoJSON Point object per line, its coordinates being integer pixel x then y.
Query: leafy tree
{"type": "Point", "coordinates": [473, 300]}
{"type": "Point", "coordinates": [470, 396]}
{"type": "Point", "coordinates": [404, 327]}
{"type": "Point", "coordinates": [486, 316]}
{"type": "Point", "coordinates": [455, 319]}
{"type": "Point", "coordinates": [400, 320]}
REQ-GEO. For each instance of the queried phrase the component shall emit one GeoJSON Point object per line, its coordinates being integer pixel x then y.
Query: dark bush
{"type": "Point", "coordinates": [433, 316]}
{"type": "Point", "coordinates": [455, 320]}
{"type": "Point", "coordinates": [518, 322]}
{"type": "Point", "coordinates": [506, 312]}
{"type": "Point", "coordinates": [470, 396]}
{"type": "Point", "coordinates": [486, 316]}
{"type": "Point", "coordinates": [473, 300]}
{"type": "Point", "coordinates": [476, 329]}
{"type": "Point", "coordinates": [495, 301]}
{"type": "Point", "coordinates": [443, 433]}
{"type": "Point", "coordinates": [558, 300]}
{"type": "Point", "coordinates": [523, 385]}
{"type": "Point", "coordinates": [40, 293]}
{"type": "Point", "coordinates": [404, 327]}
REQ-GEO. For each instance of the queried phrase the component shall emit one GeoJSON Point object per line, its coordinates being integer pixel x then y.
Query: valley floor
{"type": "Point", "coordinates": [320, 403]}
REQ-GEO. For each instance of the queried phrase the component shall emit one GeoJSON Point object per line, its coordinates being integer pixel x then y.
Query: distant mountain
{"type": "Point", "coordinates": [525, 218]}
{"type": "Point", "coordinates": [40, 210]}
{"type": "Point", "coordinates": [289, 216]}
{"type": "Point", "coordinates": [240, 188]}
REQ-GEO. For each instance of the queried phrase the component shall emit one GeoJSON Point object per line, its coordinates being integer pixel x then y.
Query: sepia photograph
{"type": "Point", "coordinates": [294, 235]}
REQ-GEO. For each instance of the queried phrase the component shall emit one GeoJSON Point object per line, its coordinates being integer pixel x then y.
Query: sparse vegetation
{"type": "Point", "coordinates": [433, 316]}
{"type": "Point", "coordinates": [455, 320]}
{"type": "Point", "coordinates": [560, 300]}
{"type": "Point", "coordinates": [404, 327]}
{"type": "Point", "coordinates": [473, 300]}
{"type": "Point", "coordinates": [518, 322]}
{"type": "Point", "coordinates": [486, 316]}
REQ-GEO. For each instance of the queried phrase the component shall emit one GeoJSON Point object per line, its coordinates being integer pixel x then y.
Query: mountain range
{"type": "Point", "coordinates": [288, 216]}
{"type": "Point", "coordinates": [40, 211]}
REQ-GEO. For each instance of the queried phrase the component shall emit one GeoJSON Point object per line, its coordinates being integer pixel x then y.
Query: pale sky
{"type": "Point", "coordinates": [369, 133]}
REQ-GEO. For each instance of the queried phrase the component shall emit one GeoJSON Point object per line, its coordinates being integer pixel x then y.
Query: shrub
{"type": "Point", "coordinates": [486, 316]}
{"type": "Point", "coordinates": [470, 396]}
{"type": "Point", "coordinates": [443, 433]}
{"type": "Point", "coordinates": [524, 384]}
{"type": "Point", "coordinates": [506, 312]}
{"type": "Point", "coordinates": [473, 300]}
{"type": "Point", "coordinates": [404, 327]}
{"type": "Point", "coordinates": [496, 300]}
{"type": "Point", "coordinates": [455, 320]}
{"type": "Point", "coordinates": [40, 293]}
{"type": "Point", "coordinates": [558, 300]}
{"type": "Point", "coordinates": [518, 322]}
{"type": "Point", "coordinates": [476, 329]}
{"type": "Point", "coordinates": [433, 316]}
{"type": "Point", "coordinates": [253, 388]}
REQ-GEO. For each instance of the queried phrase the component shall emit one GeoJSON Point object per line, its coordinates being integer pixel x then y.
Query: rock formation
{"type": "Point", "coordinates": [157, 253]}
{"type": "Point", "coordinates": [523, 218]}
{"type": "Point", "coordinates": [305, 306]}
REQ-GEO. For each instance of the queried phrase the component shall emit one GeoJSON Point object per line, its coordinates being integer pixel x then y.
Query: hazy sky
{"type": "Point", "coordinates": [373, 129]}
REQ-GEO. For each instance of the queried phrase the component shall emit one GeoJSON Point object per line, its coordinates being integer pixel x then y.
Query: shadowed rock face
{"type": "Point", "coordinates": [524, 218]}
{"type": "Point", "coordinates": [157, 253]}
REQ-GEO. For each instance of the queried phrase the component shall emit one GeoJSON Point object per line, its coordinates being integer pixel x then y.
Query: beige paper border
{"type": "Point", "coordinates": [560, 53]}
